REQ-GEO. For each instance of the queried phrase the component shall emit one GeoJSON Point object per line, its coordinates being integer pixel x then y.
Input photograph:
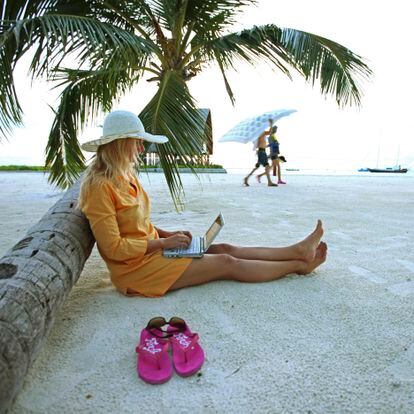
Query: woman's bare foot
{"type": "Point", "coordinates": [307, 247]}
{"type": "Point", "coordinates": [320, 257]}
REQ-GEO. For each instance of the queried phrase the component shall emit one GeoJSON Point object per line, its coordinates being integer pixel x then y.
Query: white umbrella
{"type": "Point", "coordinates": [250, 129]}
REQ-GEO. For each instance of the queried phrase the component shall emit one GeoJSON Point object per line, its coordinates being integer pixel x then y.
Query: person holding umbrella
{"type": "Point", "coordinates": [274, 156]}
{"type": "Point", "coordinates": [262, 158]}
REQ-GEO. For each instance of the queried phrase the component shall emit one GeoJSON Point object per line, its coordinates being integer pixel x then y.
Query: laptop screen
{"type": "Point", "coordinates": [213, 230]}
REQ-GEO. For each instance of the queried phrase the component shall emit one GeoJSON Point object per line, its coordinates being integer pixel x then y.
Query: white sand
{"type": "Point", "coordinates": [339, 341]}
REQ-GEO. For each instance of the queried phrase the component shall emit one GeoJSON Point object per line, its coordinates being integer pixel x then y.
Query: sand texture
{"type": "Point", "coordinates": [338, 341]}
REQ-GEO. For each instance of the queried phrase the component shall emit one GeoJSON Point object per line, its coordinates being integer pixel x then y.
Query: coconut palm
{"type": "Point", "coordinates": [97, 50]}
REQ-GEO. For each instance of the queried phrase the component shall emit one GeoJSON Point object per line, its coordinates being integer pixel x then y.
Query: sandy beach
{"type": "Point", "coordinates": [340, 340]}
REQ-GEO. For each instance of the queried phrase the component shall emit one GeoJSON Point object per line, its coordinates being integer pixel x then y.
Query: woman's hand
{"type": "Point", "coordinates": [187, 233]}
{"type": "Point", "coordinates": [164, 233]}
{"type": "Point", "coordinates": [177, 239]}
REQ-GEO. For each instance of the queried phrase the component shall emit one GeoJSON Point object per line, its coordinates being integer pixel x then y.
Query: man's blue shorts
{"type": "Point", "coordinates": [261, 158]}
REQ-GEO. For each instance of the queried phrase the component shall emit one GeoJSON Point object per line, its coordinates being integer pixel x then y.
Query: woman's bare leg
{"type": "Point", "coordinates": [304, 250]}
{"type": "Point", "coordinates": [226, 267]}
{"type": "Point", "coordinates": [278, 172]}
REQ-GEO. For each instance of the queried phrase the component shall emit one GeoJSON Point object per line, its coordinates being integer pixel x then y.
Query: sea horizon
{"type": "Point", "coordinates": [287, 171]}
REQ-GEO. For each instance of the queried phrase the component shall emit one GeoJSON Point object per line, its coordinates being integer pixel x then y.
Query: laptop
{"type": "Point", "coordinates": [199, 244]}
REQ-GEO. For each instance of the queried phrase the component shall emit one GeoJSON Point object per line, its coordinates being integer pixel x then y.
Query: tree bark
{"type": "Point", "coordinates": [36, 276]}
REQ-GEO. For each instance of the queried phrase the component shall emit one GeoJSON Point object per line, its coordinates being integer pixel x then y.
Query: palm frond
{"type": "Point", "coordinates": [212, 17]}
{"type": "Point", "coordinates": [170, 15]}
{"type": "Point", "coordinates": [10, 110]}
{"type": "Point", "coordinates": [336, 68]}
{"type": "Point", "coordinates": [64, 157]}
{"type": "Point", "coordinates": [172, 112]}
{"type": "Point", "coordinates": [23, 9]}
{"type": "Point", "coordinates": [54, 38]}
{"type": "Point", "coordinates": [226, 82]}
{"type": "Point", "coordinates": [85, 95]}
{"type": "Point", "coordinates": [249, 46]}
{"type": "Point", "coordinates": [57, 36]}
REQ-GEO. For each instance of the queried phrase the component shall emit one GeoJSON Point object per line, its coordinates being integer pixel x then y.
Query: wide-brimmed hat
{"type": "Point", "coordinates": [122, 124]}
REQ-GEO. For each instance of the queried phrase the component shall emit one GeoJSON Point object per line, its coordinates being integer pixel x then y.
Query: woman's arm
{"type": "Point", "coordinates": [164, 233]}
{"type": "Point", "coordinates": [172, 241]}
{"type": "Point", "coordinates": [100, 211]}
{"type": "Point", "coordinates": [153, 245]}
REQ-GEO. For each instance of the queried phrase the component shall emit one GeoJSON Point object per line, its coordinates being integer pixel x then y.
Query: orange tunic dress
{"type": "Point", "coordinates": [119, 217]}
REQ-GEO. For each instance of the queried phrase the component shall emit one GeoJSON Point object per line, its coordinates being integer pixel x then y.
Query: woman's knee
{"type": "Point", "coordinates": [227, 263]}
{"type": "Point", "coordinates": [221, 248]}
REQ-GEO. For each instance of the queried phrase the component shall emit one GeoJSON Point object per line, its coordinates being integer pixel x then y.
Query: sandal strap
{"type": "Point", "coordinates": [188, 345]}
{"type": "Point", "coordinates": [143, 350]}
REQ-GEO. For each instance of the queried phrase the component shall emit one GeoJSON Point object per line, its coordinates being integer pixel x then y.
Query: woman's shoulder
{"type": "Point", "coordinates": [101, 187]}
{"type": "Point", "coordinates": [100, 184]}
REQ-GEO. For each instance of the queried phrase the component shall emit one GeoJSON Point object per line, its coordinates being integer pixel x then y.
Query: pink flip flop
{"type": "Point", "coordinates": [153, 363]}
{"type": "Point", "coordinates": [187, 354]}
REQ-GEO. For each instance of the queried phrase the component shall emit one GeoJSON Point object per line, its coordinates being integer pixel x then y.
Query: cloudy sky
{"type": "Point", "coordinates": [319, 135]}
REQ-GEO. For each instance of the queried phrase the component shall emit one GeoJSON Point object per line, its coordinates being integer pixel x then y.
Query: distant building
{"type": "Point", "coordinates": [152, 158]}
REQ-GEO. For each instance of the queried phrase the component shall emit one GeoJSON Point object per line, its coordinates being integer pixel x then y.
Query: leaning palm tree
{"type": "Point", "coordinates": [97, 50]}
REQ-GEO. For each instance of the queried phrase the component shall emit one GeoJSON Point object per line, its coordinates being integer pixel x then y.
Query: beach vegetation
{"type": "Point", "coordinates": [22, 168]}
{"type": "Point", "coordinates": [141, 167]}
{"type": "Point", "coordinates": [116, 44]}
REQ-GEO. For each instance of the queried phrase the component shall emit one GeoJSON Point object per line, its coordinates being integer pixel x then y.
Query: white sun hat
{"type": "Point", "coordinates": [122, 124]}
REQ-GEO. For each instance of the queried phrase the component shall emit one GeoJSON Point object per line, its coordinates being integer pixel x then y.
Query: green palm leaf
{"type": "Point", "coordinates": [86, 93]}
{"type": "Point", "coordinates": [212, 17]}
{"type": "Point", "coordinates": [10, 110]}
{"type": "Point", "coordinates": [56, 37]}
{"type": "Point", "coordinates": [172, 112]}
{"type": "Point", "coordinates": [337, 68]}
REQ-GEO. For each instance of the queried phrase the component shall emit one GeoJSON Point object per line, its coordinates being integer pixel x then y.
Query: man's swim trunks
{"type": "Point", "coordinates": [261, 158]}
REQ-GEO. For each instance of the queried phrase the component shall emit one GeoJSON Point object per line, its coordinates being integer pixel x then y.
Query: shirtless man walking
{"type": "Point", "coordinates": [274, 156]}
{"type": "Point", "coordinates": [262, 158]}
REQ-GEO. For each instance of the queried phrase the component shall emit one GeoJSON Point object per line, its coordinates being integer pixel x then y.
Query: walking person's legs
{"type": "Point", "coordinates": [269, 180]}
{"type": "Point", "coordinates": [259, 176]}
{"type": "Point", "coordinates": [279, 172]}
{"type": "Point", "coordinates": [246, 179]}
{"type": "Point", "coordinates": [262, 160]}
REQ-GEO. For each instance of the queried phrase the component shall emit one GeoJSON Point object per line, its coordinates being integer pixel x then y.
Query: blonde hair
{"type": "Point", "coordinates": [113, 160]}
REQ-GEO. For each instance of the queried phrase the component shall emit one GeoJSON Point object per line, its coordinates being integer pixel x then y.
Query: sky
{"type": "Point", "coordinates": [320, 135]}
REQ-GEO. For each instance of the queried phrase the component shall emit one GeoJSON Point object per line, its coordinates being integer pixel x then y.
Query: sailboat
{"type": "Point", "coordinates": [395, 169]}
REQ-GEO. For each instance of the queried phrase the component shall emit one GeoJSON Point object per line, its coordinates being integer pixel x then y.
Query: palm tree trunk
{"type": "Point", "coordinates": [36, 276]}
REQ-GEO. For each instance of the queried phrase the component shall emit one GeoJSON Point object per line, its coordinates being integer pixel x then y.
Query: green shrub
{"type": "Point", "coordinates": [21, 168]}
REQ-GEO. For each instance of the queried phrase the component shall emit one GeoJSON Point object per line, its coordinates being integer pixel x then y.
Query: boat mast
{"type": "Point", "coordinates": [398, 157]}
{"type": "Point", "coordinates": [379, 146]}
{"type": "Point", "coordinates": [378, 153]}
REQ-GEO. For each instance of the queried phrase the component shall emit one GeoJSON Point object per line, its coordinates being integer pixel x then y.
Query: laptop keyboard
{"type": "Point", "coordinates": [194, 247]}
